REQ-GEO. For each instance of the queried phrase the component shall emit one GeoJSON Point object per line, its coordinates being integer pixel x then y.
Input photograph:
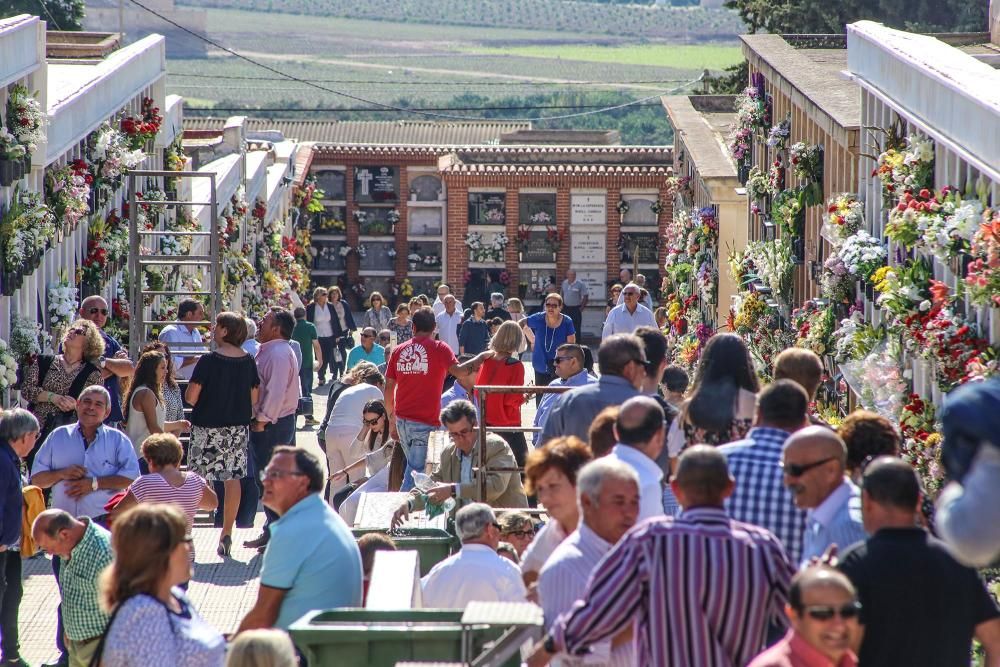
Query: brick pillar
{"type": "Point", "coordinates": [666, 197]}
{"type": "Point", "coordinates": [614, 233]}
{"type": "Point", "coordinates": [352, 231]}
{"type": "Point", "coordinates": [402, 231]}
{"type": "Point", "coordinates": [562, 224]}
{"type": "Point", "coordinates": [513, 265]}
{"type": "Point", "coordinates": [456, 227]}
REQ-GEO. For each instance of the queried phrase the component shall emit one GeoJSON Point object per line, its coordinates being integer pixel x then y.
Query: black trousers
{"type": "Point", "coordinates": [575, 313]}
{"type": "Point", "coordinates": [11, 590]}
{"type": "Point", "coordinates": [326, 345]}
{"type": "Point", "coordinates": [518, 445]}
{"type": "Point", "coordinates": [542, 380]}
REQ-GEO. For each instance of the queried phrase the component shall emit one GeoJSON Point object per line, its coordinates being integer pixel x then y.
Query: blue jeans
{"type": "Point", "coordinates": [413, 437]}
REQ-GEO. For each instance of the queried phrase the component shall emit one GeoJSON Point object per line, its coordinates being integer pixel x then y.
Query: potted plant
{"type": "Point", "coordinates": [11, 154]}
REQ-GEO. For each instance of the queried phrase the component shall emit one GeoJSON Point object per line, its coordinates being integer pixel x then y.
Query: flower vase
{"type": "Point", "coordinates": [7, 172]}
{"type": "Point", "coordinates": [413, 266]}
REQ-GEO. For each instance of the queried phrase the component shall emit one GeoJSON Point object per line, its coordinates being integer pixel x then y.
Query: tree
{"type": "Point", "coordinates": [60, 14]}
{"type": "Point", "coordinates": [823, 16]}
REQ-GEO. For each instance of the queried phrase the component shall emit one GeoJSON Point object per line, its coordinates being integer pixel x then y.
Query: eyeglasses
{"type": "Point", "coordinates": [521, 533]}
{"type": "Point", "coordinates": [77, 331]}
{"type": "Point", "coordinates": [367, 336]}
{"type": "Point", "coordinates": [559, 360]}
{"type": "Point", "coordinates": [372, 422]}
{"type": "Point", "coordinates": [825, 612]}
{"type": "Point", "coordinates": [278, 474]}
{"type": "Point", "coordinates": [635, 294]}
{"type": "Point", "coordinates": [464, 433]}
{"type": "Point", "coordinates": [94, 311]}
{"type": "Point", "coordinates": [551, 304]}
{"type": "Point", "coordinates": [641, 362]}
{"type": "Point", "coordinates": [797, 470]}
{"type": "Point", "coordinates": [495, 525]}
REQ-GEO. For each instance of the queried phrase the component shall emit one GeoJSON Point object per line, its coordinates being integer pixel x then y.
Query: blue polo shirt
{"type": "Point", "coordinates": [313, 557]}
{"type": "Point", "coordinates": [111, 453]}
{"type": "Point", "coordinates": [112, 348]}
{"type": "Point", "coordinates": [358, 354]}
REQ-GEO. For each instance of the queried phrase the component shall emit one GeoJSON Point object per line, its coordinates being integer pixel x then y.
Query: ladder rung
{"type": "Point", "coordinates": [173, 201]}
{"type": "Point", "coordinates": [197, 323]}
{"type": "Point", "coordinates": [179, 260]}
{"type": "Point", "coordinates": [175, 233]}
{"type": "Point", "coordinates": [175, 293]}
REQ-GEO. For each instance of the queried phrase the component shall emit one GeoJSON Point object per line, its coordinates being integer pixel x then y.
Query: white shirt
{"type": "Point", "coordinates": [563, 581]}
{"type": "Point", "coordinates": [448, 328]}
{"type": "Point", "coordinates": [544, 543]}
{"type": "Point", "coordinates": [323, 321]}
{"type": "Point", "coordinates": [347, 411]}
{"type": "Point", "coordinates": [438, 306]}
{"type": "Point", "coordinates": [621, 321]}
{"type": "Point", "coordinates": [650, 479]}
{"type": "Point", "coordinates": [648, 301]}
{"type": "Point", "coordinates": [475, 574]}
{"type": "Point", "coordinates": [178, 333]}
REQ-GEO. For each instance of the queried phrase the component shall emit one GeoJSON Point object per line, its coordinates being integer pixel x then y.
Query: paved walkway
{"type": "Point", "coordinates": [222, 590]}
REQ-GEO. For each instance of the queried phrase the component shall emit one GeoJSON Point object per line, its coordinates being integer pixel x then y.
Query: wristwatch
{"type": "Point", "coordinates": [102, 361]}
{"type": "Point", "coordinates": [93, 484]}
{"type": "Point", "coordinates": [549, 644]}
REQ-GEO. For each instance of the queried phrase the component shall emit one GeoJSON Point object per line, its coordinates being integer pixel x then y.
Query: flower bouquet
{"type": "Point", "coordinates": [845, 215]}
{"type": "Point", "coordinates": [862, 254]}
{"type": "Point", "coordinates": [67, 190]}
{"type": "Point", "coordinates": [777, 137]}
{"type": "Point", "coordinates": [8, 366]}
{"type": "Point", "coordinates": [140, 130]}
{"type": "Point", "coordinates": [909, 167]}
{"type": "Point", "coordinates": [62, 303]}
{"type": "Point", "coordinates": [982, 278]}
{"type": "Point", "coordinates": [25, 119]}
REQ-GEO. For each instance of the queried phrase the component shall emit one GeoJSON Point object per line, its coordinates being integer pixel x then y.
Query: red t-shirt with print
{"type": "Point", "coordinates": [419, 367]}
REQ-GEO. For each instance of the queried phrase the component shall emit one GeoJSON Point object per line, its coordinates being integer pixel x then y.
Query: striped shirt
{"type": "Point", "coordinates": [700, 587]}
{"type": "Point", "coordinates": [154, 488]}
{"type": "Point", "coordinates": [837, 520]}
{"type": "Point", "coordinates": [760, 496]}
{"type": "Point", "coordinates": [563, 581]}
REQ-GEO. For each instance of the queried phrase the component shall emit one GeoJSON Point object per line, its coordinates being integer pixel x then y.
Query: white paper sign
{"type": "Point", "coordinates": [588, 210]}
{"type": "Point", "coordinates": [588, 248]}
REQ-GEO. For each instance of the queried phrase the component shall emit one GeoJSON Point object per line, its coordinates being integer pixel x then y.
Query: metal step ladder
{"type": "Point", "coordinates": [145, 251]}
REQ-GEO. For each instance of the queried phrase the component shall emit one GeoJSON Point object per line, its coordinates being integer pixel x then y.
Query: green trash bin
{"type": "Point", "coordinates": [433, 544]}
{"type": "Point", "coordinates": [360, 637]}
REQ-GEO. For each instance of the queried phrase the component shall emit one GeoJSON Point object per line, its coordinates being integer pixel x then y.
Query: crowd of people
{"type": "Point", "coordinates": [721, 523]}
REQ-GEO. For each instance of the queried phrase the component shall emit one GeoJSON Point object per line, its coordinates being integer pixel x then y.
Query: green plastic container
{"type": "Point", "coordinates": [433, 544]}
{"type": "Point", "coordinates": [349, 637]}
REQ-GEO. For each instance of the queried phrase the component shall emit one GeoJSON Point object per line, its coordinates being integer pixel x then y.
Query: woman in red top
{"type": "Point", "coordinates": [504, 368]}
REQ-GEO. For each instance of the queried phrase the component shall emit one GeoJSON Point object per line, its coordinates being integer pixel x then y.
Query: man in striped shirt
{"type": "Point", "coordinates": [700, 588]}
{"type": "Point", "coordinates": [608, 495]}
{"type": "Point", "coordinates": [760, 496]}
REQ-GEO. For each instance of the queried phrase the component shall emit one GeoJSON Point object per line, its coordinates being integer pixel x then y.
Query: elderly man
{"type": "Point", "coordinates": [496, 308]}
{"type": "Point", "coordinates": [447, 322]}
{"type": "Point", "coordinates": [85, 551]}
{"type": "Point", "coordinates": [438, 305]}
{"type": "Point", "coordinates": [570, 372]}
{"type": "Point", "coordinates": [477, 573]}
{"type": "Point", "coordinates": [115, 363]}
{"type": "Point", "coordinates": [183, 336]}
{"type": "Point", "coordinates": [575, 294]}
{"type": "Point", "coordinates": [921, 606]}
{"type": "Point", "coordinates": [629, 315]}
{"type": "Point", "coordinates": [700, 588]}
{"type": "Point", "coordinates": [607, 492]}
{"type": "Point", "coordinates": [18, 434]}
{"type": "Point", "coordinates": [823, 610]}
{"type": "Point", "coordinates": [369, 350]}
{"type": "Point", "coordinates": [761, 497]}
{"type": "Point", "coordinates": [814, 463]}
{"type": "Point", "coordinates": [85, 464]}
{"type": "Point", "coordinates": [640, 431]}
{"type": "Point", "coordinates": [622, 361]}
{"type": "Point", "coordinates": [312, 560]}
{"type": "Point", "coordinates": [277, 401]}
{"type": "Point", "coordinates": [454, 478]}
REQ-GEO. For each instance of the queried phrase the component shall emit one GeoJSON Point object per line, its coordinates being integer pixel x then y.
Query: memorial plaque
{"type": "Point", "coordinates": [424, 256]}
{"type": "Point", "coordinates": [328, 257]}
{"type": "Point", "coordinates": [640, 210]}
{"type": "Point", "coordinates": [330, 220]}
{"type": "Point", "coordinates": [376, 184]}
{"type": "Point", "coordinates": [645, 246]}
{"type": "Point", "coordinates": [588, 210]}
{"type": "Point", "coordinates": [425, 188]}
{"type": "Point", "coordinates": [333, 183]}
{"type": "Point", "coordinates": [537, 209]}
{"type": "Point", "coordinates": [424, 285]}
{"type": "Point", "coordinates": [588, 248]}
{"type": "Point", "coordinates": [596, 282]}
{"type": "Point", "coordinates": [537, 250]}
{"type": "Point", "coordinates": [377, 256]}
{"type": "Point", "coordinates": [487, 208]}
{"type": "Point", "coordinates": [425, 221]}
{"type": "Point", "coordinates": [374, 221]}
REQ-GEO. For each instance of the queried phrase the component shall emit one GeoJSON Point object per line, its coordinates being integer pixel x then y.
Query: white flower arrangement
{"type": "Point", "coordinates": [541, 218]}
{"type": "Point", "coordinates": [361, 250]}
{"type": "Point", "coordinates": [111, 153]}
{"type": "Point", "coordinates": [773, 260]}
{"type": "Point", "coordinates": [62, 303]}
{"type": "Point", "coordinates": [391, 253]}
{"type": "Point", "coordinates": [27, 337]}
{"type": "Point", "coordinates": [360, 216]}
{"type": "Point", "coordinates": [392, 216]}
{"type": "Point", "coordinates": [862, 254]}
{"type": "Point", "coordinates": [25, 118]}
{"type": "Point", "coordinates": [474, 241]}
{"type": "Point", "coordinates": [8, 366]}
{"type": "Point", "coordinates": [170, 245]}
{"type": "Point", "coordinates": [345, 250]}
{"type": "Point", "coordinates": [10, 148]}
{"type": "Point", "coordinates": [414, 258]}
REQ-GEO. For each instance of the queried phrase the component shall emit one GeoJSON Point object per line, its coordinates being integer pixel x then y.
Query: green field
{"type": "Point", "coordinates": [677, 56]}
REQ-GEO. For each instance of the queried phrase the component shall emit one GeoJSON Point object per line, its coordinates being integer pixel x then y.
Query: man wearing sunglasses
{"type": "Point", "coordinates": [369, 350]}
{"type": "Point", "coordinates": [814, 465]}
{"type": "Point", "coordinates": [628, 316]}
{"type": "Point", "coordinates": [823, 610]}
{"type": "Point", "coordinates": [921, 606]}
{"type": "Point", "coordinates": [570, 372]}
{"type": "Point", "coordinates": [115, 363]}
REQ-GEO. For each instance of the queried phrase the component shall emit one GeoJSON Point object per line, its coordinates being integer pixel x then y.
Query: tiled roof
{"type": "Point", "coordinates": [372, 132]}
{"type": "Point", "coordinates": [559, 169]}
{"type": "Point", "coordinates": [555, 160]}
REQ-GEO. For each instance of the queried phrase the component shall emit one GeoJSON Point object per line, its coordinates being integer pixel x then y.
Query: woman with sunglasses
{"type": "Point", "coordinates": [344, 327]}
{"type": "Point", "coordinates": [53, 383]}
{"type": "Point", "coordinates": [372, 451]}
{"type": "Point", "coordinates": [152, 621]}
{"type": "Point", "coordinates": [546, 331]}
{"type": "Point", "coordinates": [615, 292]}
{"type": "Point", "coordinates": [379, 315]}
{"type": "Point", "coordinates": [401, 325]}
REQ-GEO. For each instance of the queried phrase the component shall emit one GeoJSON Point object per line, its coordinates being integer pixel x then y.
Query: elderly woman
{"type": "Point", "coordinates": [378, 316]}
{"type": "Point", "coordinates": [401, 325]}
{"type": "Point", "coordinates": [517, 529]}
{"type": "Point", "coordinates": [18, 433]}
{"type": "Point", "coordinates": [154, 623]}
{"type": "Point", "coordinates": [53, 383]}
{"type": "Point", "coordinates": [343, 331]}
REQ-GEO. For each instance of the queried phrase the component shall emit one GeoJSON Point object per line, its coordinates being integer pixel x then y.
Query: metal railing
{"type": "Point", "coordinates": [480, 470]}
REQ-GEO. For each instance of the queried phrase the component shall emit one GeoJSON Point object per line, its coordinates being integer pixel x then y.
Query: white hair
{"type": "Point", "coordinates": [471, 521]}
{"type": "Point", "coordinates": [251, 327]}
{"type": "Point", "coordinates": [591, 477]}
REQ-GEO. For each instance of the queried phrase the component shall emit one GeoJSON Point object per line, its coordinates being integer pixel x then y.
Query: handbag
{"type": "Point", "coordinates": [348, 341]}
